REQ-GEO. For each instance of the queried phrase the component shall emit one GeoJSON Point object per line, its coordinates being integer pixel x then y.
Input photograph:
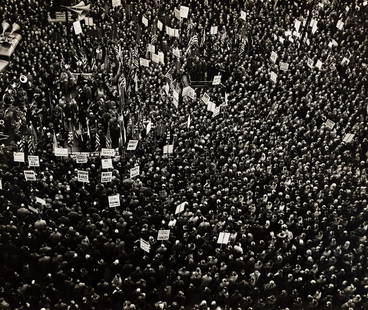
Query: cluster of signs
{"type": "Point", "coordinates": [9, 39]}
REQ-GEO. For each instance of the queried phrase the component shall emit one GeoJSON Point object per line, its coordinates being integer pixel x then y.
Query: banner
{"type": "Point", "coordinates": [61, 152]}
{"type": "Point", "coordinates": [83, 176]}
{"type": "Point", "coordinates": [163, 235]}
{"type": "Point", "coordinates": [106, 163]}
{"type": "Point", "coordinates": [108, 152]}
{"type": "Point", "coordinates": [33, 161]}
{"type": "Point", "coordinates": [81, 158]}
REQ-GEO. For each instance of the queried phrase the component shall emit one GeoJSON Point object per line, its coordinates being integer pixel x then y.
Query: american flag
{"type": "Point", "coordinates": [30, 145]}
{"type": "Point", "coordinates": [108, 138]}
{"type": "Point", "coordinates": [32, 140]}
{"type": "Point", "coordinates": [21, 144]}
{"type": "Point", "coordinates": [97, 143]}
{"type": "Point", "coordinates": [134, 55]}
{"type": "Point", "coordinates": [154, 39]}
{"type": "Point", "coordinates": [122, 83]}
{"type": "Point", "coordinates": [70, 136]}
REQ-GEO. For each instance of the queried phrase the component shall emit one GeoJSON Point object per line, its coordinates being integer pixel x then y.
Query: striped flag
{"type": "Point", "coordinates": [54, 142]}
{"type": "Point", "coordinates": [30, 145]}
{"type": "Point", "coordinates": [70, 136]}
{"type": "Point", "coordinates": [21, 144]}
{"type": "Point", "coordinates": [32, 140]}
{"type": "Point", "coordinates": [88, 132]}
{"type": "Point", "coordinates": [134, 55]}
{"type": "Point", "coordinates": [154, 39]}
{"type": "Point", "coordinates": [193, 40]}
{"type": "Point", "coordinates": [242, 46]}
{"type": "Point", "coordinates": [203, 41]}
{"type": "Point", "coordinates": [97, 142]}
{"type": "Point", "coordinates": [122, 84]}
{"type": "Point", "coordinates": [108, 138]}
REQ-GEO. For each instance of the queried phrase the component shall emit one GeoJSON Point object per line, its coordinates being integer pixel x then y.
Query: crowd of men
{"type": "Point", "coordinates": [275, 155]}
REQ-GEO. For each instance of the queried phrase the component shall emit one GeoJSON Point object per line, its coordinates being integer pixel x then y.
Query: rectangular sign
{"type": "Point", "coordinates": [30, 175]}
{"type": "Point", "coordinates": [180, 208]}
{"type": "Point", "coordinates": [216, 80]}
{"type": "Point", "coordinates": [41, 201]}
{"type": "Point", "coordinates": [132, 145]}
{"type": "Point", "coordinates": [145, 246]}
{"type": "Point", "coordinates": [114, 201]}
{"type": "Point", "coordinates": [33, 161]}
{"type": "Point", "coordinates": [61, 152]}
{"type": "Point", "coordinates": [106, 163]}
{"type": "Point", "coordinates": [19, 157]}
{"type": "Point", "coordinates": [223, 238]}
{"type": "Point", "coordinates": [83, 176]}
{"type": "Point", "coordinates": [81, 158]}
{"type": "Point", "coordinates": [134, 172]}
{"type": "Point", "coordinates": [106, 177]}
{"type": "Point", "coordinates": [77, 27]}
{"type": "Point", "coordinates": [168, 149]}
{"type": "Point", "coordinates": [107, 152]}
{"type": "Point", "coordinates": [163, 235]}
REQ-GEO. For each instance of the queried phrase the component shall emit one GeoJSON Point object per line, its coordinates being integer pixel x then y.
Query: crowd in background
{"type": "Point", "coordinates": [267, 169]}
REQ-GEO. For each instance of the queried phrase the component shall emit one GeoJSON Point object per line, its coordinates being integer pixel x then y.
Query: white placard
{"type": "Point", "coordinates": [345, 61]}
{"type": "Point", "coordinates": [243, 15]}
{"type": "Point", "coordinates": [314, 29]}
{"type": "Point", "coordinates": [30, 175]}
{"type": "Point", "coordinates": [151, 48]}
{"type": "Point", "coordinates": [83, 176]}
{"type": "Point", "coordinates": [313, 23]}
{"type": "Point", "coordinates": [144, 62]}
{"type": "Point", "coordinates": [134, 172]}
{"type": "Point", "coordinates": [310, 63]}
{"type": "Point", "coordinates": [144, 245]}
{"type": "Point", "coordinates": [216, 111]}
{"type": "Point", "coordinates": [188, 92]}
{"type": "Point", "coordinates": [163, 234]}
{"type": "Point", "coordinates": [1, 184]}
{"type": "Point", "coordinates": [284, 66]}
{"type": "Point", "coordinates": [114, 201]}
{"type": "Point", "coordinates": [106, 177]}
{"type": "Point", "coordinates": [348, 138]}
{"type": "Point", "coordinates": [273, 57]}
{"type": "Point", "coordinates": [61, 152]}
{"type": "Point", "coordinates": [176, 52]}
{"type": "Point", "coordinates": [81, 158]}
{"type": "Point", "coordinates": [319, 64]}
{"type": "Point", "coordinates": [161, 57]}
{"type": "Point", "coordinates": [116, 3]}
{"type": "Point", "coordinates": [273, 77]}
{"type": "Point", "coordinates": [149, 127]}
{"type": "Point", "coordinates": [180, 208]}
{"type": "Point", "coordinates": [176, 98]}
{"type": "Point", "coordinates": [216, 80]}
{"type": "Point", "coordinates": [132, 145]}
{"type": "Point", "coordinates": [205, 98]}
{"type": "Point", "coordinates": [155, 58]}
{"type": "Point", "coordinates": [177, 13]}
{"type": "Point", "coordinates": [106, 163]}
{"type": "Point", "coordinates": [19, 157]}
{"type": "Point", "coordinates": [108, 152]}
{"type": "Point", "coordinates": [176, 33]}
{"type": "Point", "coordinates": [214, 30]}
{"type": "Point", "coordinates": [41, 201]}
{"type": "Point", "coordinates": [33, 161]}
{"type": "Point", "coordinates": [184, 10]}
{"type": "Point", "coordinates": [330, 124]}
{"type": "Point", "coordinates": [211, 106]}
{"type": "Point", "coordinates": [168, 149]}
{"type": "Point", "coordinates": [340, 24]}
{"type": "Point", "coordinates": [145, 21]}
{"type": "Point", "coordinates": [223, 238]}
{"type": "Point", "coordinates": [297, 24]}
{"type": "Point", "coordinates": [168, 30]}
{"type": "Point", "coordinates": [77, 27]}
{"type": "Point", "coordinates": [160, 25]}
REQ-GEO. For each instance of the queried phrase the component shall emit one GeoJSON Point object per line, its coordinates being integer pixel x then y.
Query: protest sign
{"type": "Point", "coordinates": [319, 64]}
{"type": "Point", "coordinates": [106, 177]}
{"type": "Point", "coordinates": [81, 158]}
{"type": "Point", "coordinates": [314, 29]}
{"type": "Point", "coordinates": [106, 163]}
{"type": "Point", "coordinates": [284, 66]}
{"type": "Point", "coordinates": [161, 57]}
{"type": "Point", "coordinates": [205, 98]}
{"type": "Point", "coordinates": [216, 80]}
{"type": "Point", "coordinates": [30, 175]}
{"type": "Point", "coordinates": [33, 161]}
{"type": "Point", "coordinates": [41, 201]}
{"type": "Point", "coordinates": [116, 3]}
{"type": "Point", "coordinates": [77, 27]}
{"type": "Point", "coordinates": [132, 145]}
{"type": "Point", "coordinates": [223, 238]}
{"type": "Point", "coordinates": [180, 208]}
{"type": "Point", "coordinates": [345, 61]}
{"type": "Point", "coordinates": [340, 24]}
{"type": "Point", "coordinates": [273, 77]}
{"type": "Point", "coordinates": [216, 111]}
{"type": "Point", "coordinates": [273, 57]}
{"type": "Point", "coordinates": [145, 21]}
{"type": "Point", "coordinates": [211, 106]}
{"type": "Point", "coordinates": [297, 24]}
{"type": "Point", "coordinates": [176, 33]}
{"type": "Point", "coordinates": [108, 152]}
{"type": "Point", "coordinates": [176, 52]}
{"type": "Point", "coordinates": [61, 152]}
{"type": "Point", "coordinates": [160, 25]}
{"type": "Point", "coordinates": [330, 124]}
{"type": "Point", "coordinates": [163, 235]}
{"type": "Point", "coordinates": [177, 13]}
{"type": "Point", "coordinates": [1, 184]}
{"type": "Point", "coordinates": [18, 157]}
{"type": "Point", "coordinates": [168, 149]}
{"type": "Point", "coordinates": [144, 62]}
{"type": "Point", "coordinates": [149, 127]}
{"type": "Point", "coordinates": [134, 172]}
{"type": "Point", "coordinates": [348, 138]}
{"type": "Point", "coordinates": [184, 10]}
{"type": "Point", "coordinates": [214, 30]}
{"type": "Point", "coordinates": [310, 63]}
{"type": "Point", "coordinates": [151, 48]}
{"type": "Point", "coordinates": [83, 176]}
{"type": "Point", "coordinates": [144, 245]}
{"type": "Point", "coordinates": [282, 40]}
{"type": "Point", "coordinates": [175, 98]}
{"type": "Point", "coordinates": [313, 23]}
{"type": "Point", "coordinates": [243, 15]}
{"type": "Point", "coordinates": [114, 201]}
{"type": "Point", "coordinates": [155, 58]}
{"type": "Point", "coordinates": [188, 122]}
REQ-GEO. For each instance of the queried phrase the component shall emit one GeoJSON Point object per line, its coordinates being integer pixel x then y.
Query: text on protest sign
{"type": "Point", "coordinates": [106, 177]}
{"type": "Point", "coordinates": [81, 158]}
{"type": "Point", "coordinates": [205, 98]}
{"type": "Point", "coordinates": [116, 3]}
{"type": "Point", "coordinates": [61, 152]}
{"type": "Point", "coordinates": [211, 106]}
{"type": "Point", "coordinates": [144, 245]}
{"type": "Point", "coordinates": [216, 80]}
{"type": "Point", "coordinates": [83, 176]}
{"type": "Point", "coordinates": [284, 66]}
{"type": "Point", "coordinates": [30, 175]}
{"type": "Point", "coordinates": [106, 163]}
{"type": "Point", "coordinates": [108, 152]}
{"type": "Point", "coordinates": [214, 30]}
{"type": "Point", "coordinates": [132, 145]}
{"type": "Point", "coordinates": [348, 138]}
{"type": "Point", "coordinates": [33, 161]}
{"type": "Point", "coordinates": [114, 201]}
{"type": "Point", "coordinates": [177, 14]}
{"type": "Point", "coordinates": [273, 77]}
{"type": "Point", "coordinates": [163, 235]}
{"type": "Point", "coordinates": [243, 15]}
{"type": "Point", "coordinates": [144, 62]}
{"type": "Point", "coordinates": [168, 149]}
{"type": "Point", "coordinates": [1, 184]}
{"type": "Point", "coordinates": [223, 238]}
{"type": "Point", "coordinates": [19, 157]}
{"type": "Point", "coordinates": [273, 57]}
{"type": "Point", "coordinates": [134, 172]}
{"type": "Point", "coordinates": [180, 208]}
{"type": "Point", "coordinates": [160, 25]}
{"type": "Point", "coordinates": [77, 27]}
{"type": "Point", "coordinates": [330, 124]}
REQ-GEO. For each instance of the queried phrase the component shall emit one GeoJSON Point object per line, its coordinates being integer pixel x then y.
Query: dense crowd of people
{"type": "Point", "coordinates": [272, 167]}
